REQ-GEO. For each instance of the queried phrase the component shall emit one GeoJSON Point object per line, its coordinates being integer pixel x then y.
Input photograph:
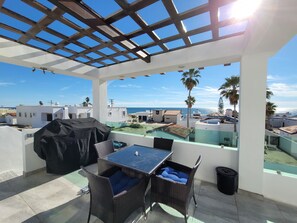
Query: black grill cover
{"type": "Point", "coordinates": [67, 144]}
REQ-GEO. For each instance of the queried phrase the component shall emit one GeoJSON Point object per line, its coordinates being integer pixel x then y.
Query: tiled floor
{"type": "Point", "coordinates": [56, 199]}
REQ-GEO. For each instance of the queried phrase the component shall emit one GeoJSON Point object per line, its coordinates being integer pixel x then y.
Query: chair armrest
{"type": "Point", "coordinates": [177, 166]}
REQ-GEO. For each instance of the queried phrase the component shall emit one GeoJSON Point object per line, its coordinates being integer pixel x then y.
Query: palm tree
{"type": "Point", "coordinates": [190, 80]}
{"type": "Point", "coordinates": [270, 110]}
{"type": "Point", "coordinates": [87, 102]}
{"type": "Point", "coordinates": [229, 90]}
{"type": "Point", "coordinates": [269, 93]}
{"type": "Point", "coordinates": [190, 101]}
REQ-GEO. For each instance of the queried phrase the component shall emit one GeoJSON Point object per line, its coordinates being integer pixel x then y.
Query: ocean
{"type": "Point", "coordinates": [202, 111]}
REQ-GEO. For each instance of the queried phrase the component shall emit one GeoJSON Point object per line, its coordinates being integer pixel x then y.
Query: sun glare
{"type": "Point", "coordinates": [244, 8]}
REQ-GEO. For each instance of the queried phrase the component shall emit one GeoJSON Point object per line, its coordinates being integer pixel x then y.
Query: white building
{"type": "Point", "coordinates": [40, 115]}
{"type": "Point", "coordinates": [116, 116]}
{"type": "Point", "coordinates": [172, 116]}
{"type": "Point", "coordinates": [158, 115]}
{"type": "Point", "coordinates": [143, 116]}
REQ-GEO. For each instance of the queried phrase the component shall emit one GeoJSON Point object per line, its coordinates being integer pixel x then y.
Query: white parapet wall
{"type": "Point", "coordinates": [280, 187]}
{"type": "Point", "coordinates": [31, 161]}
{"type": "Point", "coordinates": [11, 149]}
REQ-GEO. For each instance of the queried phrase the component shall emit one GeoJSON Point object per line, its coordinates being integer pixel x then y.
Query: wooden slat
{"type": "Point", "coordinates": [142, 24]}
{"type": "Point", "coordinates": [134, 7]}
{"type": "Point", "coordinates": [93, 20]}
{"type": "Point", "coordinates": [170, 7]}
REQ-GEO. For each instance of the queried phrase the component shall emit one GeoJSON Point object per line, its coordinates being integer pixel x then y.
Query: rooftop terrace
{"type": "Point", "coordinates": [76, 38]}
{"type": "Point", "coordinates": [48, 198]}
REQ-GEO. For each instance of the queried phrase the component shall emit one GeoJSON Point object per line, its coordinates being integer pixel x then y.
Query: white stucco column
{"type": "Point", "coordinates": [99, 100]}
{"type": "Point", "coordinates": [253, 74]}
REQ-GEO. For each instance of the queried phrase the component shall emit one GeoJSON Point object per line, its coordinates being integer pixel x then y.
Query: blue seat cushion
{"type": "Point", "coordinates": [171, 174]}
{"type": "Point", "coordinates": [120, 182]}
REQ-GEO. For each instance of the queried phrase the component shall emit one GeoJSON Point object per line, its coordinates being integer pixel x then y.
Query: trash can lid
{"type": "Point", "coordinates": [226, 171]}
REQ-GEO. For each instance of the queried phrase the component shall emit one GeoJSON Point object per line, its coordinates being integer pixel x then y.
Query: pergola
{"type": "Point", "coordinates": [80, 39]}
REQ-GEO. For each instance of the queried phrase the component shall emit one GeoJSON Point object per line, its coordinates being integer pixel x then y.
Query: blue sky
{"type": "Point", "coordinates": [19, 85]}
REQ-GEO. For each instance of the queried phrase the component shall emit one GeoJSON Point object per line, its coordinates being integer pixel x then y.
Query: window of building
{"type": "Point", "coordinates": [124, 113]}
{"type": "Point", "coordinates": [30, 115]}
{"type": "Point", "coordinates": [157, 112]}
{"type": "Point", "coordinates": [109, 113]}
{"type": "Point", "coordinates": [49, 117]}
{"type": "Point", "coordinates": [25, 114]}
{"type": "Point", "coordinates": [20, 114]}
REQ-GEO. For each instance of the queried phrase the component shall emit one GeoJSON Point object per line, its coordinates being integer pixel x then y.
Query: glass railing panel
{"type": "Point", "coordinates": [213, 137]}
{"type": "Point", "coordinates": [280, 153]}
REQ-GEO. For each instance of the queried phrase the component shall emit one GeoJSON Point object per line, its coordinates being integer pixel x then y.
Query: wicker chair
{"type": "Point", "coordinates": [112, 208]}
{"type": "Point", "coordinates": [162, 143]}
{"type": "Point", "coordinates": [103, 149]}
{"type": "Point", "coordinates": [173, 194]}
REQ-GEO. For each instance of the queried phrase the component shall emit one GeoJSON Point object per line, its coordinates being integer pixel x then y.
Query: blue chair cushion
{"type": "Point", "coordinates": [171, 174]}
{"type": "Point", "coordinates": [120, 182]}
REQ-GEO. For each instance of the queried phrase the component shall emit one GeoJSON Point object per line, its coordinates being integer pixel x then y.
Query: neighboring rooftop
{"type": "Point", "coordinates": [176, 130]}
{"type": "Point", "coordinates": [289, 129]}
{"type": "Point", "coordinates": [172, 112]}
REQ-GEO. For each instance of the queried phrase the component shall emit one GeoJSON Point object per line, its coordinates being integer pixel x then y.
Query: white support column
{"type": "Point", "coordinates": [99, 100]}
{"type": "Point", "coordinates": [252, 122]}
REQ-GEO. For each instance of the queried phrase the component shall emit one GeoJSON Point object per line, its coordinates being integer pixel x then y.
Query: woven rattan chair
{"type": "Point", "coordinates": [174, 194]}
{"type": "Point", "coordinates": [112, 208]}
{"type": "Point", "coordinates": [103, 149]}
{"type": "Point", "coordinates": [162, 143]}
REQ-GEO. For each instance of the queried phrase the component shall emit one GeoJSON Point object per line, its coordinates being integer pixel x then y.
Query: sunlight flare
{"type": "Point", "coordinates": [245, 8]}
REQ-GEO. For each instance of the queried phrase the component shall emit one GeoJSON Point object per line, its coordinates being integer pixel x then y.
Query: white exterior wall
{"type": "Point", "coordinates": [252, 122]}
{"type": "Point", "coordinates": [11, 149]}
{"type": "Point", "coordinates": [214, 127]}
{"type": "Point", "coordinates": [80, 112]}
{"type": "Point", "coordinates": [100, 100]}
{"type": "Point", "coordinates": [31, 161]}
{"type": "Point", "coordinates": [170, 118]}
{"type": "Point", "coordinates": [159, 117]}
{"type": "Point", "coordinates": [280, 187]}
{"type": "Point", "coordinates": [37, 115]}
{"type": "Point", "coordinates": [117, 114]}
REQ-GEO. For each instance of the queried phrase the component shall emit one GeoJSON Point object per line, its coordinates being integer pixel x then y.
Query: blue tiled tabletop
{"type": "Point", "coordinates": [147, 160]}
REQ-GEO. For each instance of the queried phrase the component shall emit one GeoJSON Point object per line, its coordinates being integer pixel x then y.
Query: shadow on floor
{"type": "Point", "coordinates": [12, 184]}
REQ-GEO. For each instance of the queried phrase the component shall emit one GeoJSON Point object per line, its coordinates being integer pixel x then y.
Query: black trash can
{"type": "Point", "coordinates": [227, 180]}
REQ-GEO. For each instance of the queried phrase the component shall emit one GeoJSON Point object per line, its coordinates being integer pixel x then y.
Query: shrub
{"type": "Point", "coordinates": [135, 126]}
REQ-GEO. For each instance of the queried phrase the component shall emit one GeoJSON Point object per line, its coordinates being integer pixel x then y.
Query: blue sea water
{"type": "Point", "coordinates": [202, 111]}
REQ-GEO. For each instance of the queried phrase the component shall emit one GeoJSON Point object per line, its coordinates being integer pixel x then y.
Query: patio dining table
{"type": "Point", "coordinates": [142, 159]}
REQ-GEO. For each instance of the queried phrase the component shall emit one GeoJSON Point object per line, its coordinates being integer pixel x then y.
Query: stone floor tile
{"type": "Point", "coordinates": [50, 195]}
{"type": "Point", "coordinates": [14, 210]}
{"type": "Point", "coordinates": [288, 212]}
{"type": "Point", "coordinates": [252, 209]}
